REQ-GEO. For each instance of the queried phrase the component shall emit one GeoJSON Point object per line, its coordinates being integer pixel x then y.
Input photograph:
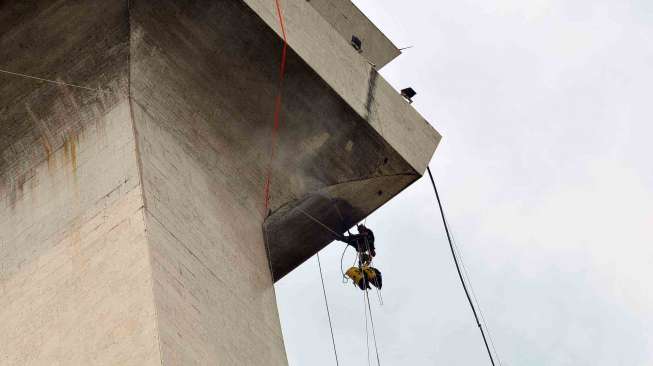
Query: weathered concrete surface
{"type": "Point", "coordinates": [375, 134]}
{"type": "Point", "coordinates": [354, 80]}
{"type": "Point", "coordinates": [162, 193]}
{"type": "Point", "coordinates": [82, 41]}
{"type": "Point", "coordinates": [348, 20]}
{"type": "Point", "coordinates": [194, 63]}
{"type": "Point", "coordinates": [75, 276]}
{"type": "Point", "coordinates": [214, 65]}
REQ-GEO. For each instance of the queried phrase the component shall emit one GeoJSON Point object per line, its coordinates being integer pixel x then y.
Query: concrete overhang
{"type": "Point", "coordinates": [377, 143]}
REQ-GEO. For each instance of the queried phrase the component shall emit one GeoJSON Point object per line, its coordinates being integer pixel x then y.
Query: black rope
{"type": "Point", "coordinates": [455, 259]}
{"type": "Point", "coordinates": [376, 347]}
{"type": "Point", "coordinates": [326, 303]}
{"type": "Point", "coordinates": [367, 332]}
{"type": "Point", "coordinates": [471, 288]}
{"type": "Point", "coordinates": [367, 300]}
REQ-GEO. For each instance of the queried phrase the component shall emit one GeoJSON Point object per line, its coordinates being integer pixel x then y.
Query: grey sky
{"type": "Point", "coordinates": [545, 168]}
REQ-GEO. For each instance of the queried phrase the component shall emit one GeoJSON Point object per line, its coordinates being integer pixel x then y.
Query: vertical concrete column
{"type": "Point", "coordinates": [75, 274]}
{"type": "Point", "coordinates": [127, 234]}
{"type": "Point", "coordinates": [213, 289]}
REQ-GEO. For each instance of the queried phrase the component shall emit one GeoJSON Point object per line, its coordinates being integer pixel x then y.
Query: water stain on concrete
{"type": "Point", "coordinates": [70, 152]}
{"type": "Point", "coordinates": [371, 91]}
{"type": "Point", "coordinates": [46, 136]}
{"type": "Point", "coordinates": [73, 154]}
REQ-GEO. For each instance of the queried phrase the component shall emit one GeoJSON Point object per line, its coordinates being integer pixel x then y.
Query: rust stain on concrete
{"type": "Point", "coordinates": [52, 163]}
{"type": "Point", "coordinates": [16, 189]}
{"type": "Point", "coordinates": [70, 151]}
{"type": "Point", "coordinates": [46, 137]}
{"type": "Point", "coordinates": [66, 150]}
{"type": "Point", "coordinates": [73, 154]}
{"type": "Point", "coordinates": [46, 146]}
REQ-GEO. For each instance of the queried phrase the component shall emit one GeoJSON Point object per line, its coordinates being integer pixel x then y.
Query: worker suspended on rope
{"type": "Point", "coordinates": [364, 274]}
{"type": "Point", "coordinates": [363, 242]}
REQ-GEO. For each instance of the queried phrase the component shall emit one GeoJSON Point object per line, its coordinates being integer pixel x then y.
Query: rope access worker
{"type": "Point", "coordinates": [363, 242]}
{"type": "Point", "coordinates": [364, 274]}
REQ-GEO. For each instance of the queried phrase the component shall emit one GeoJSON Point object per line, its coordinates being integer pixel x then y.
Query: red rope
{"type": "Point", "coordinates": [277, 109]}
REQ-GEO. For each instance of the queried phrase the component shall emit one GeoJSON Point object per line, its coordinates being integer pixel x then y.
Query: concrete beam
{"type": "Point", "coordinates": [349, 21]}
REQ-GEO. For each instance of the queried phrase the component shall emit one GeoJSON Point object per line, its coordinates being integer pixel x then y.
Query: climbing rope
{"type": "Point", "coordinates": [326, 303]}
{"type": "Point", "coordinates": [46, 80]}
{"type": "Point", "coordinates": [455, 259]}
{"type": "Point", "coordinates": [367, 299]}
{"type": "Point", "coordinates": [342, 270]}
{"type": "Point", "coordinates": [376, 347]}
{"type": "Point", "coordinates": [277, 110]}
{"type": "Point", "coordinates": [338, 236]}
{"type": "Point", "coordinates": [471, 288]}
{"type": "Point", "coordinates": [273, 147]}
{"type": "Point", "coordinates": [367, 332]}
{"type": "Point", "coordinates": [378, 292]}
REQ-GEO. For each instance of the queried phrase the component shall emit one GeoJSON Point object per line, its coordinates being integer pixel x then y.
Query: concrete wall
{"type": "Point", "coordinates": [94, 267]}
{"type": "Point", "coordinates": [80, 42]}
{"type": "Point", "coordinates": [75, 275]}
{"type": "Point", "coordinates": [213, 289]}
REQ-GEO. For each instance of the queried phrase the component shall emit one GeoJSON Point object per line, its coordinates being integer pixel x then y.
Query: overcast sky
{"type": "Point", "coordinates": [546, 108]}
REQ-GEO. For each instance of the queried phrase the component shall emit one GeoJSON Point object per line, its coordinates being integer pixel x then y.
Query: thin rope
{"type": "Point", "coordinates": [379, 296]}
{"type": "Point", "coordinates": [473, 292]}
{"type": "Point", "coordinates": [342, 270]}
{"type": "Point", "coordinates": [277, 109]}
{"type": "Point", "coordinates": [367, 297]}
{"type": "Point", "coordinates": [335, 234]}
{"type": "Point", "coordinates": [476, 301]}
{"type": "Point", "coordinates": [378, 292]}
{"type": "Point", "coordinates": [319, 222]}
{"type": "Point", "coordinates": [480, 311]}
{"type": "Point", "coordinates": [46, 80]}
{"type": "Point", "coordinates": [455, 259]}
{"type": "Point", "coordinates": [326, 303]}
{"type": "Point", "coordinates": [376, 347]}
{"type": "Point", "coordinates": [367, 333]}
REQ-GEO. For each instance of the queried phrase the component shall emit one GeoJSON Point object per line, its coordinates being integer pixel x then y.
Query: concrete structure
{"type": "Point", "coordinates": [131, 223]}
